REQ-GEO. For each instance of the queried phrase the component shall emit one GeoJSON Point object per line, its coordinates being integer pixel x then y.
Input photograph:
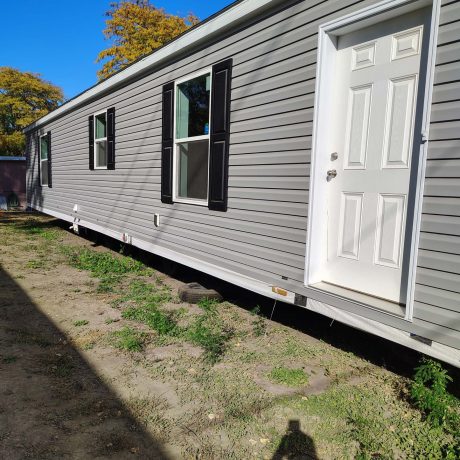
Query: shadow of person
{"type": "Point", "coordinates": [295, 444]}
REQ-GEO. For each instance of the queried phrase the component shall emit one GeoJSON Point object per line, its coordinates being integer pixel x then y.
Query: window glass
{"type": "Point", "coordinates": [101, 154]}
{"type": "Point", "coordinates": [192, 111]}
{"type": "Point", "coordinates": [44, 147]}
{"type": "Point", "coordinates": [44, 172]}
{"type": "Point", "coordinates": [193, 170]}
{"type": "Point", "coordinates": [101, 126]}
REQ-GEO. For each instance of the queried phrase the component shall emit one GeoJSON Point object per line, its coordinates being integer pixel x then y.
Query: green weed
{"type": "Point", "coordinates": [259, 325]}
{"type": "Point", "coordinates": [209, 332]}
{"type": "Point", "coordinates": [290, 377]}
{"type": "Point", "coordinates": [9, 359]}
{"type": "Point", "coordinates": [80, 322]}
{"type": "Point", "coordinates": [429, 392]}
{"type": "Point", "coordinates": [36, 264]}
{"type": "Point", "coordinates": [105, 266]}
{"type": "Point", "coordinates": [128, 339]}
{"type": "Point", "coordinates": [430, 395]}
{"type": "Point", "coordinates": [159, 321]}
{"type": "Point", "coordinates": [208, 304]}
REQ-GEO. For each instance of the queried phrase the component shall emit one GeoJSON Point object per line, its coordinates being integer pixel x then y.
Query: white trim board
{"type": "Point", "coordinates": [436, 350]}
{"type": "Point", "coordinates": [229, 17]}
{"type": "Point", "coordinates": [317, 206]}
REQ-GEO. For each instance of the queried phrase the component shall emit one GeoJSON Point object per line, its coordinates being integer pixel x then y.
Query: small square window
{"type": "Point", "coordinates": [100, 140]}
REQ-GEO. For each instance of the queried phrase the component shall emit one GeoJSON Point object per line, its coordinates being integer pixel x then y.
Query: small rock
{"type": "Point", "coordinates": [264, 440]}
{"type": "Point", "coordinates": [211, 416]}
{"type": "Point", "coordinates": [253, 442]}
{"type": "Point", "coordinates": [135, 450]}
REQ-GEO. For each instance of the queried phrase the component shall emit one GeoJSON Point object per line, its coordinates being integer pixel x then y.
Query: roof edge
{"type": "Point", "coordinates": [229, 16]}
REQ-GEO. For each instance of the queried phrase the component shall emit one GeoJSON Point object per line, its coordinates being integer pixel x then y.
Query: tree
{"type": "Point", "coordinates": [136, 28]}
{"type": "Point", "coordinates": [24, 97]}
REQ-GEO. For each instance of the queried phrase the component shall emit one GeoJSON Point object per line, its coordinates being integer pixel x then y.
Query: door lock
{"type": "Point", "coordinates": [331, 174]}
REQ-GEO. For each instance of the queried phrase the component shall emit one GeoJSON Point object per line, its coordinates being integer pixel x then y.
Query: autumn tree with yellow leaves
{"type": "Point", "coordinates": [24, 97]}
{"type": "Point", "coordinates": [136, 28]}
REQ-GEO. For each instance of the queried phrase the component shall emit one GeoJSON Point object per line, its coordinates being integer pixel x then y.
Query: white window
{"type": "Point", "coordinates": [44, 158]}
{"type": "Point", "coordinates": [191, 138]}
{"type": "Point", "coordinates": [100, 140]}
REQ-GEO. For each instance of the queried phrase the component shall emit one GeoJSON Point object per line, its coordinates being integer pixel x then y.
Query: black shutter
{"type": "Point", "coordinates": [37, 148]}
{"type": "Point", "coordinates": [48, 138]}
{"type": "Point", "coordinates": [167, 144]}
{"type": "Point", "coordinates": [91, 141]}
{"type": "Point", "coordinates": [111, 138]}
{"type": "Point", "coordinates": [220, 135]}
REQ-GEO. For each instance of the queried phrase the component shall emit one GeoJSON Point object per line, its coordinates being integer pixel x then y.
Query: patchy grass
{"type": "Point", "coordinates": [36, 263]}
{"type": "Point", "coordinates": [80, 322]}
{"type": "Point", "coordinates": [241, 400]}
{"type": "Point", "coordinates": [109, 268]}
{"type": "Point", "coordinates": [128, 339]}
{"type": "Point", "coordinates": [259, 324]}
{"type": "Point", "coordinates": [290, 377]}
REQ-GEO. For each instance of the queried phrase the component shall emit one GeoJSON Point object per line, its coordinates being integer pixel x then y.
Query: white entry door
{"type": "Point", "coordinates": [375, 98]}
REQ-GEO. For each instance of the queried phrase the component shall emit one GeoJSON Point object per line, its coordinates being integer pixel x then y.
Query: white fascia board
{"type": "Point", "coordinates": [228, 18]}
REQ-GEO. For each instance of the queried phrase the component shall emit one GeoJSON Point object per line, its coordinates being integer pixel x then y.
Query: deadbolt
{"type": "Point", "coordinates": [334, 156]}
{"type": "Point", "coordinates": [331, 174]}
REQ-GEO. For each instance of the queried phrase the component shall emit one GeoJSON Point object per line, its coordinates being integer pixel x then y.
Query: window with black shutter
{"type": "Point", "coordinates": [101, 128]}
{"type": "Point", "coordinates": [196, 121]}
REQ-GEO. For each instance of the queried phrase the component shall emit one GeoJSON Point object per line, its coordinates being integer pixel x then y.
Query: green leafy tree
{"type": "Point", "coordinates": [136, 28]}
{"type": "Point", "coordinates": [24, 97]}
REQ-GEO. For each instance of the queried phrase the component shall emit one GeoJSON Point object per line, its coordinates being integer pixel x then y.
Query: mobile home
{"type": "Point", "coordinates": [305, 150]}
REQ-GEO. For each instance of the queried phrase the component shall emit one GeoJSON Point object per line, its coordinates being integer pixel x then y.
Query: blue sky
{"type": "Point", "coordinates": [60, 39]}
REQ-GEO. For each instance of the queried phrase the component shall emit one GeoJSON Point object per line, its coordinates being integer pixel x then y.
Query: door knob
{"type": "Point", "coordinates": [331, 174]}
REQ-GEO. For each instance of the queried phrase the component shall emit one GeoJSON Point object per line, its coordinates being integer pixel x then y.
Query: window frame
{"type": "Point", "coordinates": [102, 139]}
{"type": "Point", "coordinates": [42, 160]}
{"type": "Point", "coordinates": [177, 142]}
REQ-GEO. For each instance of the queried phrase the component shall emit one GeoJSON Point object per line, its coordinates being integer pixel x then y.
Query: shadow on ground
{"type": "Point", "coordinates": [52, 404]}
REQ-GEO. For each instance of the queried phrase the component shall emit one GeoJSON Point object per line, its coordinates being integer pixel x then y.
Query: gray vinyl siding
{"type": "Point", "coordinates": [263, 233]}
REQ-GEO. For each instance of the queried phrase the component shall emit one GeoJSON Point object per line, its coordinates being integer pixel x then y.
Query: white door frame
{"type": "Point", "coordinates": [320, 154]}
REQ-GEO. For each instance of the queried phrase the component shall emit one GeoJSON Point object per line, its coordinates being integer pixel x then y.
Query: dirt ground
{"type": "Point", "coordinates": [83, 374]}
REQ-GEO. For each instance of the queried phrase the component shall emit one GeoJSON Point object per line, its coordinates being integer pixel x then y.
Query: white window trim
{"type": "Point", "coordinates": [101, 139]}
{"type": "Point", "coordinates": [326, 37]}
{"type": "Point", "coordinates": [176, 198]}
{"type": "Point", "coordinates": [42, 160]}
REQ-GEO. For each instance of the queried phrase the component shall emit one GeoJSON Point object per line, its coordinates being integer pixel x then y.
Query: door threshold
{"type": "Point", "coordinates": [366, 299]}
